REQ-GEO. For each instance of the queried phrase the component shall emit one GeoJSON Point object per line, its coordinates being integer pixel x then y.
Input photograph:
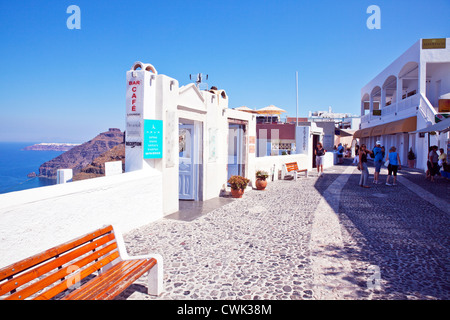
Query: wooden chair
{"type": "Point", "coordinates": [95, 266]}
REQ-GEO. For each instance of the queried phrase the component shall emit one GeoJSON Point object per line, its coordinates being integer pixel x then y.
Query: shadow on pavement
{"type": "Point", "coordinates": [396, 231]}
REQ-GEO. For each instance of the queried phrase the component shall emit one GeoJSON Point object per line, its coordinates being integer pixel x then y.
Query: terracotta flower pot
{"type": "Point", "coordinates": [260, 184]}
{"type": "Point", "coordinates": [237, 193]}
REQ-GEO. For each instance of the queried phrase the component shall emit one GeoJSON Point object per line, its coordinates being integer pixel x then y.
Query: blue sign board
{"type": "Point", "coordinates": [153, 139]}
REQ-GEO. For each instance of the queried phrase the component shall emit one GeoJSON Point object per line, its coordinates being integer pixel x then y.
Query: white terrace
{"type": "Point", "coordinates": [411, 85]}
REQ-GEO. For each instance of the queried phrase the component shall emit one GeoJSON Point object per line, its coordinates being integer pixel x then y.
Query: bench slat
{"type": "Point", "coordinates": [54, 277]}
{"type": "Point", "coordinates": [27, 263]}
{"type": "Point", "coordinates": [292, 166]}
{"type": "Point", "coordinates": [111, 283]}
{"type": "Point", "coordinates": [125, 282]}
{"type": "Point", "coordinates": [97, 284]}
{"type": "Point", "coordinates": [77, 277]}
{"type": "Point", "coordinates": [53, 264]}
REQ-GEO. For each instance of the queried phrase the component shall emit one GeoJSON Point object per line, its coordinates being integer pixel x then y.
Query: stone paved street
{"type": "Point", "coordinates": [317, 238]}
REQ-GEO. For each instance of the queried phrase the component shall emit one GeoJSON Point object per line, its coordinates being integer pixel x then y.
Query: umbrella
{"type": "Point", "coordinates": [344, 133]}
{"type": "Point", "coordinates": [271, 110]}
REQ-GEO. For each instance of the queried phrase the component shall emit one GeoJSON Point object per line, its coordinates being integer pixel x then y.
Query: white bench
{"type": "Point", "coordinates": [291, 169]}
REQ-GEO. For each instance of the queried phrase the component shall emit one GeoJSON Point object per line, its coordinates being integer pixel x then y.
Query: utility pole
{"type": "Point", "coordinates": [296, 86]}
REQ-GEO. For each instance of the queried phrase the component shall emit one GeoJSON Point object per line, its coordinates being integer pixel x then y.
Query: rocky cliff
{"type": "Point", "coordinates": [80, 156]}
{"type": "Point", "coordinates": [97, 167]}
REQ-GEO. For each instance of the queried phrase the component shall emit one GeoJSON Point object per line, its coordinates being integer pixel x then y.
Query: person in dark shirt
{"type": "Point", "coordinates": [377, 161]}
{"type": "Point", "coordinates": [362, 165]}
{"type": "Point", "coordinates": [340, 154]}
{"type": "Point", "coordinates": [320, 155]}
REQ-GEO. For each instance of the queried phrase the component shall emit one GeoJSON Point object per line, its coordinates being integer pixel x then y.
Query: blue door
{"type": "Point", "coordinates": [186, 180]}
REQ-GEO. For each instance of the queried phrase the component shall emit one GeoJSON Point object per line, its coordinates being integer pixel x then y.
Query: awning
{"type": "Point", "coordinates": [442, 126]}
{"type": "Point", "coordinates": [405, 125]}
{"type": "Point", "coordinates": [379, 130]}
{"type": "Point", "coordinates": [367, 132]}
{"type": "Point", "coordinates": [343, 133]}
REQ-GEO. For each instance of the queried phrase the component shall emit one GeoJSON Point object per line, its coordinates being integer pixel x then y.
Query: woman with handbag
{"type": "Point", "coordinates": [362, 165]}
{"type": "Point", "coordinates": [394, 165]}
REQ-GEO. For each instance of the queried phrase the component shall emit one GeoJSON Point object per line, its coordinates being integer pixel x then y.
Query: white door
{"type": "Point", "coordinates": [186, 180]}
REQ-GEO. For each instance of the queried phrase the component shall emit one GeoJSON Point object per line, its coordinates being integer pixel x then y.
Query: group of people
{"type": "Point", "coordinates": [435, 162]}
{"type": "Point", "coordinates": [391, 160]}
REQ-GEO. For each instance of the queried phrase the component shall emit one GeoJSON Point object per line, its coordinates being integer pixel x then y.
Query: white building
{"type": "Point", "coordinates": [410, 94]}
{"type": "Point", "coordinates": [187, 135]}
{"type": "Point", "coordinates": [337, 127]}
{"type": "Point", "coordinates": [342, 120]}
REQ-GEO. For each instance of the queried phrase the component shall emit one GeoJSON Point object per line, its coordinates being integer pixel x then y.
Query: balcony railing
{"type": "Point", "coordinates": [409, 104]}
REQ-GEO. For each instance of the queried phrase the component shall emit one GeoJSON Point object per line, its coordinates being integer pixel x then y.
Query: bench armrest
{"type": "Point", "coordinates": [155, 276]}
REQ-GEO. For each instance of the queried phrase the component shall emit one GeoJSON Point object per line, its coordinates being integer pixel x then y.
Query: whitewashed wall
{"type": "Point", "coordinates": [37, 219]}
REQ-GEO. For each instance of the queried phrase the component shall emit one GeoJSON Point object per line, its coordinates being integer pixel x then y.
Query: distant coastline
{"type": "Point", "coordinates": [16, 165]}
{"type": "Point", "coordinates": [51, 147]}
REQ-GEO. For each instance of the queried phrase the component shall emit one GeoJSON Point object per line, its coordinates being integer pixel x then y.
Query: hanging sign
{"type": "Point", "coordinates": [434, 43]}
{"type": "Point", "coordinates": [153, 139]}
{"type": "Point", "coordinates": [441, 116]}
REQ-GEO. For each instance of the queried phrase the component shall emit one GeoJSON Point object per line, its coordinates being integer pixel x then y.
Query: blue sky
{"type": "Point", "coordinates": [61, 85]}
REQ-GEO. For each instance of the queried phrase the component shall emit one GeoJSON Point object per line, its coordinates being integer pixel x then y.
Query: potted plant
{"type": "Point", "coordinates": [261, 177]}
{"type": "Point", "coordinates": [411, 158]}
{"type": "Point", "coordinates": [238, 184]}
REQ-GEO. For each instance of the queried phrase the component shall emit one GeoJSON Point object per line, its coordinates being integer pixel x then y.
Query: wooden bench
{"type": "Point", "coordinates": [95, 266]}
{"type": "Point", "coordinates": [291, 169]}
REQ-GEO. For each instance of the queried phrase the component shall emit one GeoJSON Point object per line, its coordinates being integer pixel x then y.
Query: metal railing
{"type": "Point", "coordinates": [426, 109]}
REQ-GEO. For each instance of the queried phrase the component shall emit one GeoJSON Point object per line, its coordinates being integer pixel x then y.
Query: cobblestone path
{"type": "Point", "coordinates": [317, 238]}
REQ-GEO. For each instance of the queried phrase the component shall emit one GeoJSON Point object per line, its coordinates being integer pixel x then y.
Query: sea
{"type": "Point", "coordinates": [16, 164]}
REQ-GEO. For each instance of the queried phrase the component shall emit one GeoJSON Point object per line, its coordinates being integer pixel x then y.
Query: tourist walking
{"type": "Point", "coordinates": [340, 154]}
{"type": "Point", "coordinates": [362, 165]}
{"type": "Point", "coordinates": [442, 160]}
{"type": "Point", "coordinates": [377, 161]}
{"type": "Point", "coordinates": [355, 161]}
{"type": "Point", "coordinates": [433, 166]}
{"type": "Point", "coordinates": [320, 155]}
{"type": "Point", "coordinates": [394, 165]}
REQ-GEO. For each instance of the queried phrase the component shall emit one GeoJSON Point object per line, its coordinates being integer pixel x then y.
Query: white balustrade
{"type": "Point", "coordinates": [406, 105]}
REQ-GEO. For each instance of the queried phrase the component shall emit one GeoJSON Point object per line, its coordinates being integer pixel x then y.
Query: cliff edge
{"type": "Point", "coordinates": [82, 155]}
{"type": "Point", "coordinates": [97, 167]}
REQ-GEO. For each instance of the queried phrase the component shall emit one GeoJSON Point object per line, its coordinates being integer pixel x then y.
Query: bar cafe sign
{"type": "Point", "coordinates": [434, 43]}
